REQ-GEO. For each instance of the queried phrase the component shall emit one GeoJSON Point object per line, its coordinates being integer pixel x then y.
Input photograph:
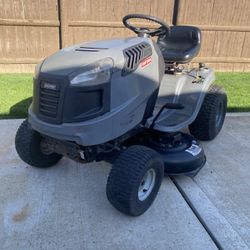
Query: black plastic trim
{"type": "Point", "coordinates": [86, 102]}
{"type": "Point", "coordinates": [73, 103]}
{"type": "Point", "coordinates": [60, 82]}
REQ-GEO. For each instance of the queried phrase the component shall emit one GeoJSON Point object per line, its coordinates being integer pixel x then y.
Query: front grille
{"type": "Point", "coordinates": [49, 101]}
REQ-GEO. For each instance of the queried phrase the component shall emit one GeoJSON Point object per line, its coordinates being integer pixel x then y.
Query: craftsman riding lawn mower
{"type": "Point", "coordinates": [127, 102]}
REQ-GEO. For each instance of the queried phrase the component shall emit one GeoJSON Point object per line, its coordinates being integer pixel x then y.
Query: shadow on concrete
{"type": "Point", "coordinates": [238, 109]}
{"type": "Point", "coordinates": [18, 110]}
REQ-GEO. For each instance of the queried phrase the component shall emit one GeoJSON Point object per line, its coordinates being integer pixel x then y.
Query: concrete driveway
{"type": "Point", "coordinates": [65, 207]}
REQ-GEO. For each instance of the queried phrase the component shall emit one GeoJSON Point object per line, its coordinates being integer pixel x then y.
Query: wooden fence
{"type": "Point", "coordinates": [31, 29]}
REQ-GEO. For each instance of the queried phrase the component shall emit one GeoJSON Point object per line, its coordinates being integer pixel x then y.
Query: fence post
{"type": "Point", "coordinates": [63, 19]}
{"type": "Point", "coordinates": [175, 12]}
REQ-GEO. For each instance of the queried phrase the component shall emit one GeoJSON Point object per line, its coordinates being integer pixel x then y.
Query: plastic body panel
{"type": "Point", "coordinates": [183, 90]}
{"type": "Point", "coordinates": [129, 95]}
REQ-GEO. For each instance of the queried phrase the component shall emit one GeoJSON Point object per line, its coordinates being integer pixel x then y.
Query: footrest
{"type": "Point", "coordinates": [180, 89]}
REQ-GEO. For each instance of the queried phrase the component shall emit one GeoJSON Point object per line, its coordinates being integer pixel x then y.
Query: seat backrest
{"type": "Point", "coordinates": [181, 37]}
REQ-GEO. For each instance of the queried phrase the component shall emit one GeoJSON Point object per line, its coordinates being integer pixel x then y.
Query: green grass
{"type": "Point", "coordinates": [16, 92]}
{"type": "Point", "coordinates": [15, 95]}
{"type": "Point", "coordinates": [237, 86]}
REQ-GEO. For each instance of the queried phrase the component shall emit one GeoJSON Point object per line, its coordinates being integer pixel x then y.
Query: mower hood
{"type": "Point", "coordinates": [70, 59]}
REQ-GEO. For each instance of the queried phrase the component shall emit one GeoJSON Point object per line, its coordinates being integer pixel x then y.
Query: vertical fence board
{"type": "Point", "coordinates": [31, 30]}
{"type": "Point", "coordinates": [105, 17]}
{"type": "Point", "coordinates": [225, 30]}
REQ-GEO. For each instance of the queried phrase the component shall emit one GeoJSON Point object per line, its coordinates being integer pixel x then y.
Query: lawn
{"type": "Point", "coordinates": [16, 91]}
{"type": "Point", "coordinates": [15, 95]}
{"type": "Point", "coordinates": [237, 86]}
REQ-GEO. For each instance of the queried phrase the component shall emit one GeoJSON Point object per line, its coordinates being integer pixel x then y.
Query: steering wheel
{"type": "Point", "coordinates": [164, 28]}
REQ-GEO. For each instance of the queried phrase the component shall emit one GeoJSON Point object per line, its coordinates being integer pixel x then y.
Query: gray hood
{"type": "Point", "coordinates": [69, 59]}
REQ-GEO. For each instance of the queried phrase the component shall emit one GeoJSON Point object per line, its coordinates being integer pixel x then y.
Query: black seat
{"type": "Point", "coordinates": [182, 45]}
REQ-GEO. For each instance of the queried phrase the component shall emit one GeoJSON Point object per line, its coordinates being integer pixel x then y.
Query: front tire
{"type": "Point", "coordinates": [134, 180]}
{"type": "Point", "coordinates": [28, 147]}
{"type": "Point", "coordinates": [210, 119]}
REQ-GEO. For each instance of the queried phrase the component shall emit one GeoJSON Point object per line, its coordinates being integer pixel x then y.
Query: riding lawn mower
{"type": "Point", "coordinates": [129, 102]}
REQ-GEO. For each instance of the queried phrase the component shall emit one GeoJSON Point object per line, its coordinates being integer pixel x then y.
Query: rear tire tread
{"type": "Point", "coordinates": [204, 128]}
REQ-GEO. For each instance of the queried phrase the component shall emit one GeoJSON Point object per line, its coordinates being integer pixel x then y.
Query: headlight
{"type": "Point", "coordinates": [38, 68]}
{"type": "Point", "coordinates": [98, 72]}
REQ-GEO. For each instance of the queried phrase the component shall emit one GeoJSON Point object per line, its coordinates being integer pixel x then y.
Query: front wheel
{"type": "Point", "coordinates": [28, 147]}
{"type": "Point", "coordinates": [210, 119]}
{"type": "Point", "coordinates": [134, 180]}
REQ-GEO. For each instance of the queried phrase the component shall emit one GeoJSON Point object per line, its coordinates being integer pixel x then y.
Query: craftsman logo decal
{"type": "Point", "coordinates": [145, 62]}
{"type": "Point", "coordinates": [47, 85]}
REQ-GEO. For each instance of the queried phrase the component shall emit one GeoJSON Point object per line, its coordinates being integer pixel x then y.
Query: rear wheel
{"type": "Point", "coordinates": [134, 180]}
{"type": "Point", "coordinates": [210, 119]}
{"type": "Point", "coordinates": [28, 147]}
